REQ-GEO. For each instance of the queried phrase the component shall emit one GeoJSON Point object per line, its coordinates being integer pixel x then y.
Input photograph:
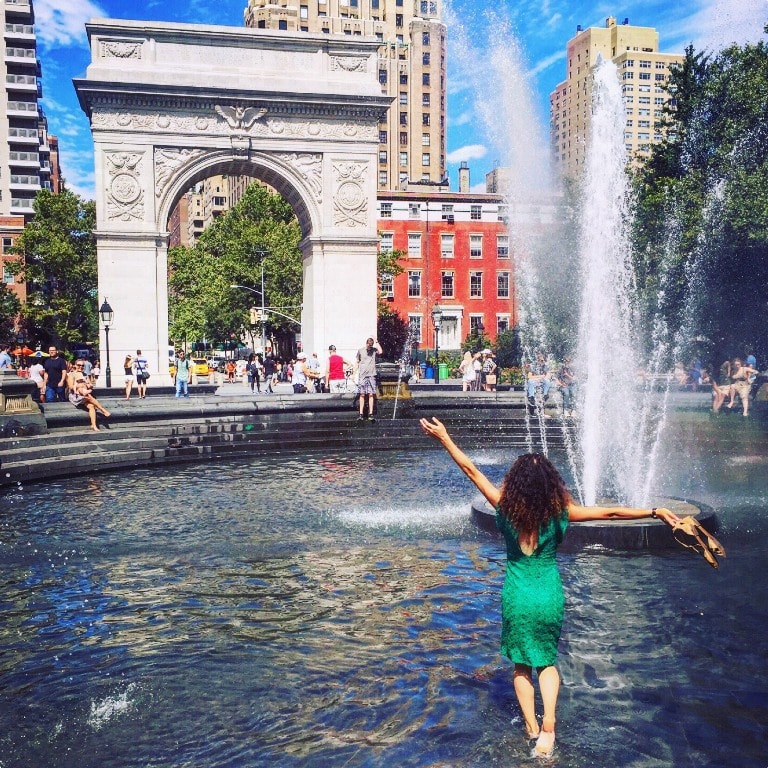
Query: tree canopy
{"type": "Point", "coordinates": [701, 226]}
{"type": "Point", "coordinates": [260, 230]}
{"type": "Point", "coordinates": [58, 264]}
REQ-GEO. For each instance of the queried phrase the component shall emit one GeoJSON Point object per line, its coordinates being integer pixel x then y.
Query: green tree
{"type": "Point", "coordinates": [701, 227]}
{"type": "Point", "coordinates": [260, 230]}
{"type": "Point", "coordinates": [391, 329]}
{"type": "Point", "coordinates": [10, 307]}
{"type": "Point", "coordinates": [58, 264]}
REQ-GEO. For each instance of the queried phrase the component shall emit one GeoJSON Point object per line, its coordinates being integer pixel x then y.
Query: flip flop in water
{"type": "Point", "coordinates": [690, 533]}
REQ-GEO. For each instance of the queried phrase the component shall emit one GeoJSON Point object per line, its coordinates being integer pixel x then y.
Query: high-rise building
{"type": "Point", "coordinates": [411, 69]}
{"type": "Point", "coordinates": [25, 166]}
{"type": "Point", "coordinates": [643, 71]}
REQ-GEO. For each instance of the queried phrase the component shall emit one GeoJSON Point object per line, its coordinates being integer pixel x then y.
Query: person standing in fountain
{"type": "Point", "coordinates": [533, 509]}
{"type": "Point", "coordinates": [538, 379]}
{"type": "Point", "coordinates": [366, 376]}
{"type": "Point", "coordinates": [566, 380]}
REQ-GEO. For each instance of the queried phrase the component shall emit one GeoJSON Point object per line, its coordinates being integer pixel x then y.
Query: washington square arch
{"type": "Point", "coordinates": [172, 104]}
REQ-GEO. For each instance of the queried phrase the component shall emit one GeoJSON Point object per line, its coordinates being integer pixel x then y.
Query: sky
{"type": "Point", "coordinates": [530, 40]}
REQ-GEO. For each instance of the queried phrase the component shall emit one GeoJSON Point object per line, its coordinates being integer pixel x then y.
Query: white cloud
{"type": "Point", "coordinates": [718, 23]}
{"type": "Point", "coordinates": [463, 119]}
{"type": "Point", "coordinates": [547, 62]}
{"type": "Point", "coordinates": [470, 152]}
{"type": "Point", "coordinates": [62, 22]}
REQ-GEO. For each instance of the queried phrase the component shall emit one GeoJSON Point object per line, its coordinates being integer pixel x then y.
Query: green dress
{"type": "Point", "coordinates": [532, 600]}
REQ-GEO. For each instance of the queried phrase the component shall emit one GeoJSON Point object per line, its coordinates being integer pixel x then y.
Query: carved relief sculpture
{"type": "Point", "coordinates": [121, 49]}
{"type": "Point", "coordinates": [125, 197]}
{"type": "Point", "coordinates": [168, 160]}
{"type": "Point", "coordinates": [350, 203]}
{"type": "Point", "coordinates": [309, 167]}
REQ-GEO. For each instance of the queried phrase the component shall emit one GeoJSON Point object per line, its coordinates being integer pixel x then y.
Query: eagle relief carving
{"type": "Point", "coordinates": [240, 118]}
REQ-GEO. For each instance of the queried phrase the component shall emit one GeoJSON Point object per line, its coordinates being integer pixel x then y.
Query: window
{"type": "Point", "coordinates": [414, 210]}
{"type": "Point", "coordinates": [425, 78]}
{"type": "Point", "coordinates": [386, 211]}
{"type": "Point", "coordinates": [475, 246]}
{"type": "Point", "coordinates": [398, 19]}
{"type": "Point", "coordinates": [403, 78]}
{"type": "Point", "coordinates": [414, 321]}
{"type": "Point", "coordinates": [403, 98]}
{"type": "Point", "coordinates": [382, 137]}
{"type": "Point", "coordinates": [660, 65]}
{"type": "Point", "coordinates": [659, 77]}
{"type": "Point", "coordinates": [628, 63]}
{"type": "Point", "coordinates": [447, 208]}
{"type": "Point", "coordinates": [476, 212]}
{"type": "Point", "coordinates": [403, 138]}
{"type": "Point", "coordinates": [383, 179]}
{"type": "Point", "coordinates": [645, 76]}
{"type": "Point", "coordinates": [643, 123]}
{"type": "Point", "coordinates": [382, 155]}
{"type": "Point", "coordinates": [282, 24]}
{"type": "Point", "coordinates": [425, 159]}
{"type": "Point", "coordinates": [425, 118]}
{"type": "Point", "coordinates": [446, 285]}
{"type": "Point", "coordinates": [425, 59]}
{"type": "Point", "coordinates": [414, 245]}
{"type": "Point", "coordinates": [629, 123]}
{"type": "Point", "coordinates": [7, 243]}
{"type": "Point", "coordinates": [403, 158]}
{"type": "Point", "coordinates": [382, 76]}
{"type": "Point", "coordinates": [304, 12]}
{"type": "Point", "coordinates": [446, 246]}
{"type": "Point", "coordinates": [502, 323]}
{"type": "Point", "coordinates": [386, 240]}
{"type": "Point", "coordinates": [387, 286]}
{"type": "Point", "coordinates": [403, 118]}
{"type": "Point", "coordinates": [476, 285]}
{"type": "Point", "coordinates": [645, 64]}
{"type": "Point", "coordinates": [7, 276]}
{"type": "Point", "coordinates": [414, 283]}
{"type": "Point", "coordinates": [627, 75]}
{"type": "Point", "coordinates": [425, 139]}
{"type": "Point", "coordinates": [425, 39]}
{"type": "Point", "coordinates": [502, 285]}
{"type": "Point", "coordinates": [424, 99]}
{"type": "Point", "coordinates": [502, 246]}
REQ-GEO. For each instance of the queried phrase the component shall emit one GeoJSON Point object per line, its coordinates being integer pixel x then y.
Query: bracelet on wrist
{"type": "Point", "coordinates": [653, 514]}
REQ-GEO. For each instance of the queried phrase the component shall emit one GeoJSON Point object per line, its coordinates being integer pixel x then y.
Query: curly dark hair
{"type": "Point", "coordinates": [533, 493]}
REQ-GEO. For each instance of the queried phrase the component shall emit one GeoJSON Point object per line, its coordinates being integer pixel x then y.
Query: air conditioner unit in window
{"type": "Point", "coordinates": [448, 217]}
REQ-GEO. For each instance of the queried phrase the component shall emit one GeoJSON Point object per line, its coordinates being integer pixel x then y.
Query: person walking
{"type": "Point", "coordinates": [6, 361]}
{"type": "Point", "coordinates": [142, 374]}
{"type": "Point", "coordinates": [533, 510]}
{"type": "Point", "coordinates": [366, 376]}
{"type": "Point", "coordinates": [270, 372]}
{"type": "Point", "coordinates": [467, 370]}
{"type": "Point", "coordinates": [55, 376]}
{"type": "Point", "coordinates": [37, 374]}
{"type": "Point", "coordinates": [183, 373]}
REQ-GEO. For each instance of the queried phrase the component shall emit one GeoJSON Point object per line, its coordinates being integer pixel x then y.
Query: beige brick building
{"type": "Point", "coordinates": [412, 70]}
{"type": "Point", "coordinates": [643, 71]}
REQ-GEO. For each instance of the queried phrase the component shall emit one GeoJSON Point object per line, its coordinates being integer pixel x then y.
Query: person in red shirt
{"type": "Point", "coordinates": [336, 372]}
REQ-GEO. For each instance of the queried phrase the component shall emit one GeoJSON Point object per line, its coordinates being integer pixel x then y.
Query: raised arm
{"type": "Point", "coordinates": [579, 514]}
{"type": "Point", "coordinates": [437, 430]}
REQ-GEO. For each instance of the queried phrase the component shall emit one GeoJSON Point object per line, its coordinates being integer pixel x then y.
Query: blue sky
{"type": "Point", "coordinates": [540, 31]}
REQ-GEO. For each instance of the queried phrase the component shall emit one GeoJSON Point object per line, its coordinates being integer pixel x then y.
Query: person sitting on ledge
{"type": "Point", "coordinates": [533, 510]}
{"type": "Point", "coordinates": [81, 394]}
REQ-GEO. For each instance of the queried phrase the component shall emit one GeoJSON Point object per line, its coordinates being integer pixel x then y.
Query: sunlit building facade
{"type": "Point", "coordinates": [643, 72]}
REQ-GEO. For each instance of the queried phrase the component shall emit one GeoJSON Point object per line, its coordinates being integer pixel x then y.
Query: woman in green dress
{"type": "Point", "coordinates": [533, 509]}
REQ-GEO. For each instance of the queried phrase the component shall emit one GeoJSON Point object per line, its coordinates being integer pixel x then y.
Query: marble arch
{"type": "Point", "coordinates": [170, 104]}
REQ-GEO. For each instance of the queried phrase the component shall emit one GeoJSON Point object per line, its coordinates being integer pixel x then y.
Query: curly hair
{"type": "Point", "coordinates": [533, 493]}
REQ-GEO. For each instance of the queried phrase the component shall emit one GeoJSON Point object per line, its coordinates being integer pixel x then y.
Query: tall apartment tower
{"type": "Point", "coordinates": [25, 165]}
{"type": "Point", "coordinates": [412, 70]}
{"type": "Point", "coordinates": [643, 72]}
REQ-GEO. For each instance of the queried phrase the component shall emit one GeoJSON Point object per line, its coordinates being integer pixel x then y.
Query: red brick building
{"type": "Point", "coordinates": [458, 257]}
{"type": "Point", "coordinates": [10, 229]}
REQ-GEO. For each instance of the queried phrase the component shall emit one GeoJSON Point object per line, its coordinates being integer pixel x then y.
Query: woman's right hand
{"type": "Point", "coordinates": [667, 515]}
{"type": "Point", "coordinates": [435, 429]}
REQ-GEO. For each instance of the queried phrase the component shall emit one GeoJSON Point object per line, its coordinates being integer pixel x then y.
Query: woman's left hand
{"type": "Point", "coordinates": [667, 515]}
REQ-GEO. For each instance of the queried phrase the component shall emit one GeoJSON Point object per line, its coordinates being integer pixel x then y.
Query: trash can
{"type": "Point", "coordinates": [442, 369]}
{"type": "Point", "coordinates": [429, 372]}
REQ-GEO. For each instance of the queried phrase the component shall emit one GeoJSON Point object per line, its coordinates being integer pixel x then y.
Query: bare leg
{"type": "Point", "coordinates": [525, 696]}
{"type": "Point", "coordinates": [92, 401]}
{"type": "Point", "coordinates": [128, 390]}
{"type": "Point", "coordinates": [92, 415]}
{"type": "Point", "coordinates": [370, 407]}
{"type": "Point", "coordinates": [549, 683]}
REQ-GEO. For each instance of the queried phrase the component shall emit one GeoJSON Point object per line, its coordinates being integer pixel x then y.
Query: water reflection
{"type": "Point", "coordinates": [342, 611]}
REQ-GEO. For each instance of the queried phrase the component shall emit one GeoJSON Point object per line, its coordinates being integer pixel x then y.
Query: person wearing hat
{"type": "Point", "coordinates": [301, 374]}
{"type": "Point", "coordinates": [336, 372]}
{"type": "Point", "coordinates": [488, 370]}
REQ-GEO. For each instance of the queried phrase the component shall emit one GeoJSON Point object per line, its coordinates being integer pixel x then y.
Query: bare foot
{"type": "Point", "coordinates": [106, 414]}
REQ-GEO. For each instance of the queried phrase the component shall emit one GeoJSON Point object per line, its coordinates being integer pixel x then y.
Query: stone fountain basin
{"type": "Point", "coordinates": [645, 533]}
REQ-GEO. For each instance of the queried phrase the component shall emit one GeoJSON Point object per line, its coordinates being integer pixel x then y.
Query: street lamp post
{"type": "Point", "coordinates": [437, 317]}
{"type": "Point", "coordinates": [107, 316]}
